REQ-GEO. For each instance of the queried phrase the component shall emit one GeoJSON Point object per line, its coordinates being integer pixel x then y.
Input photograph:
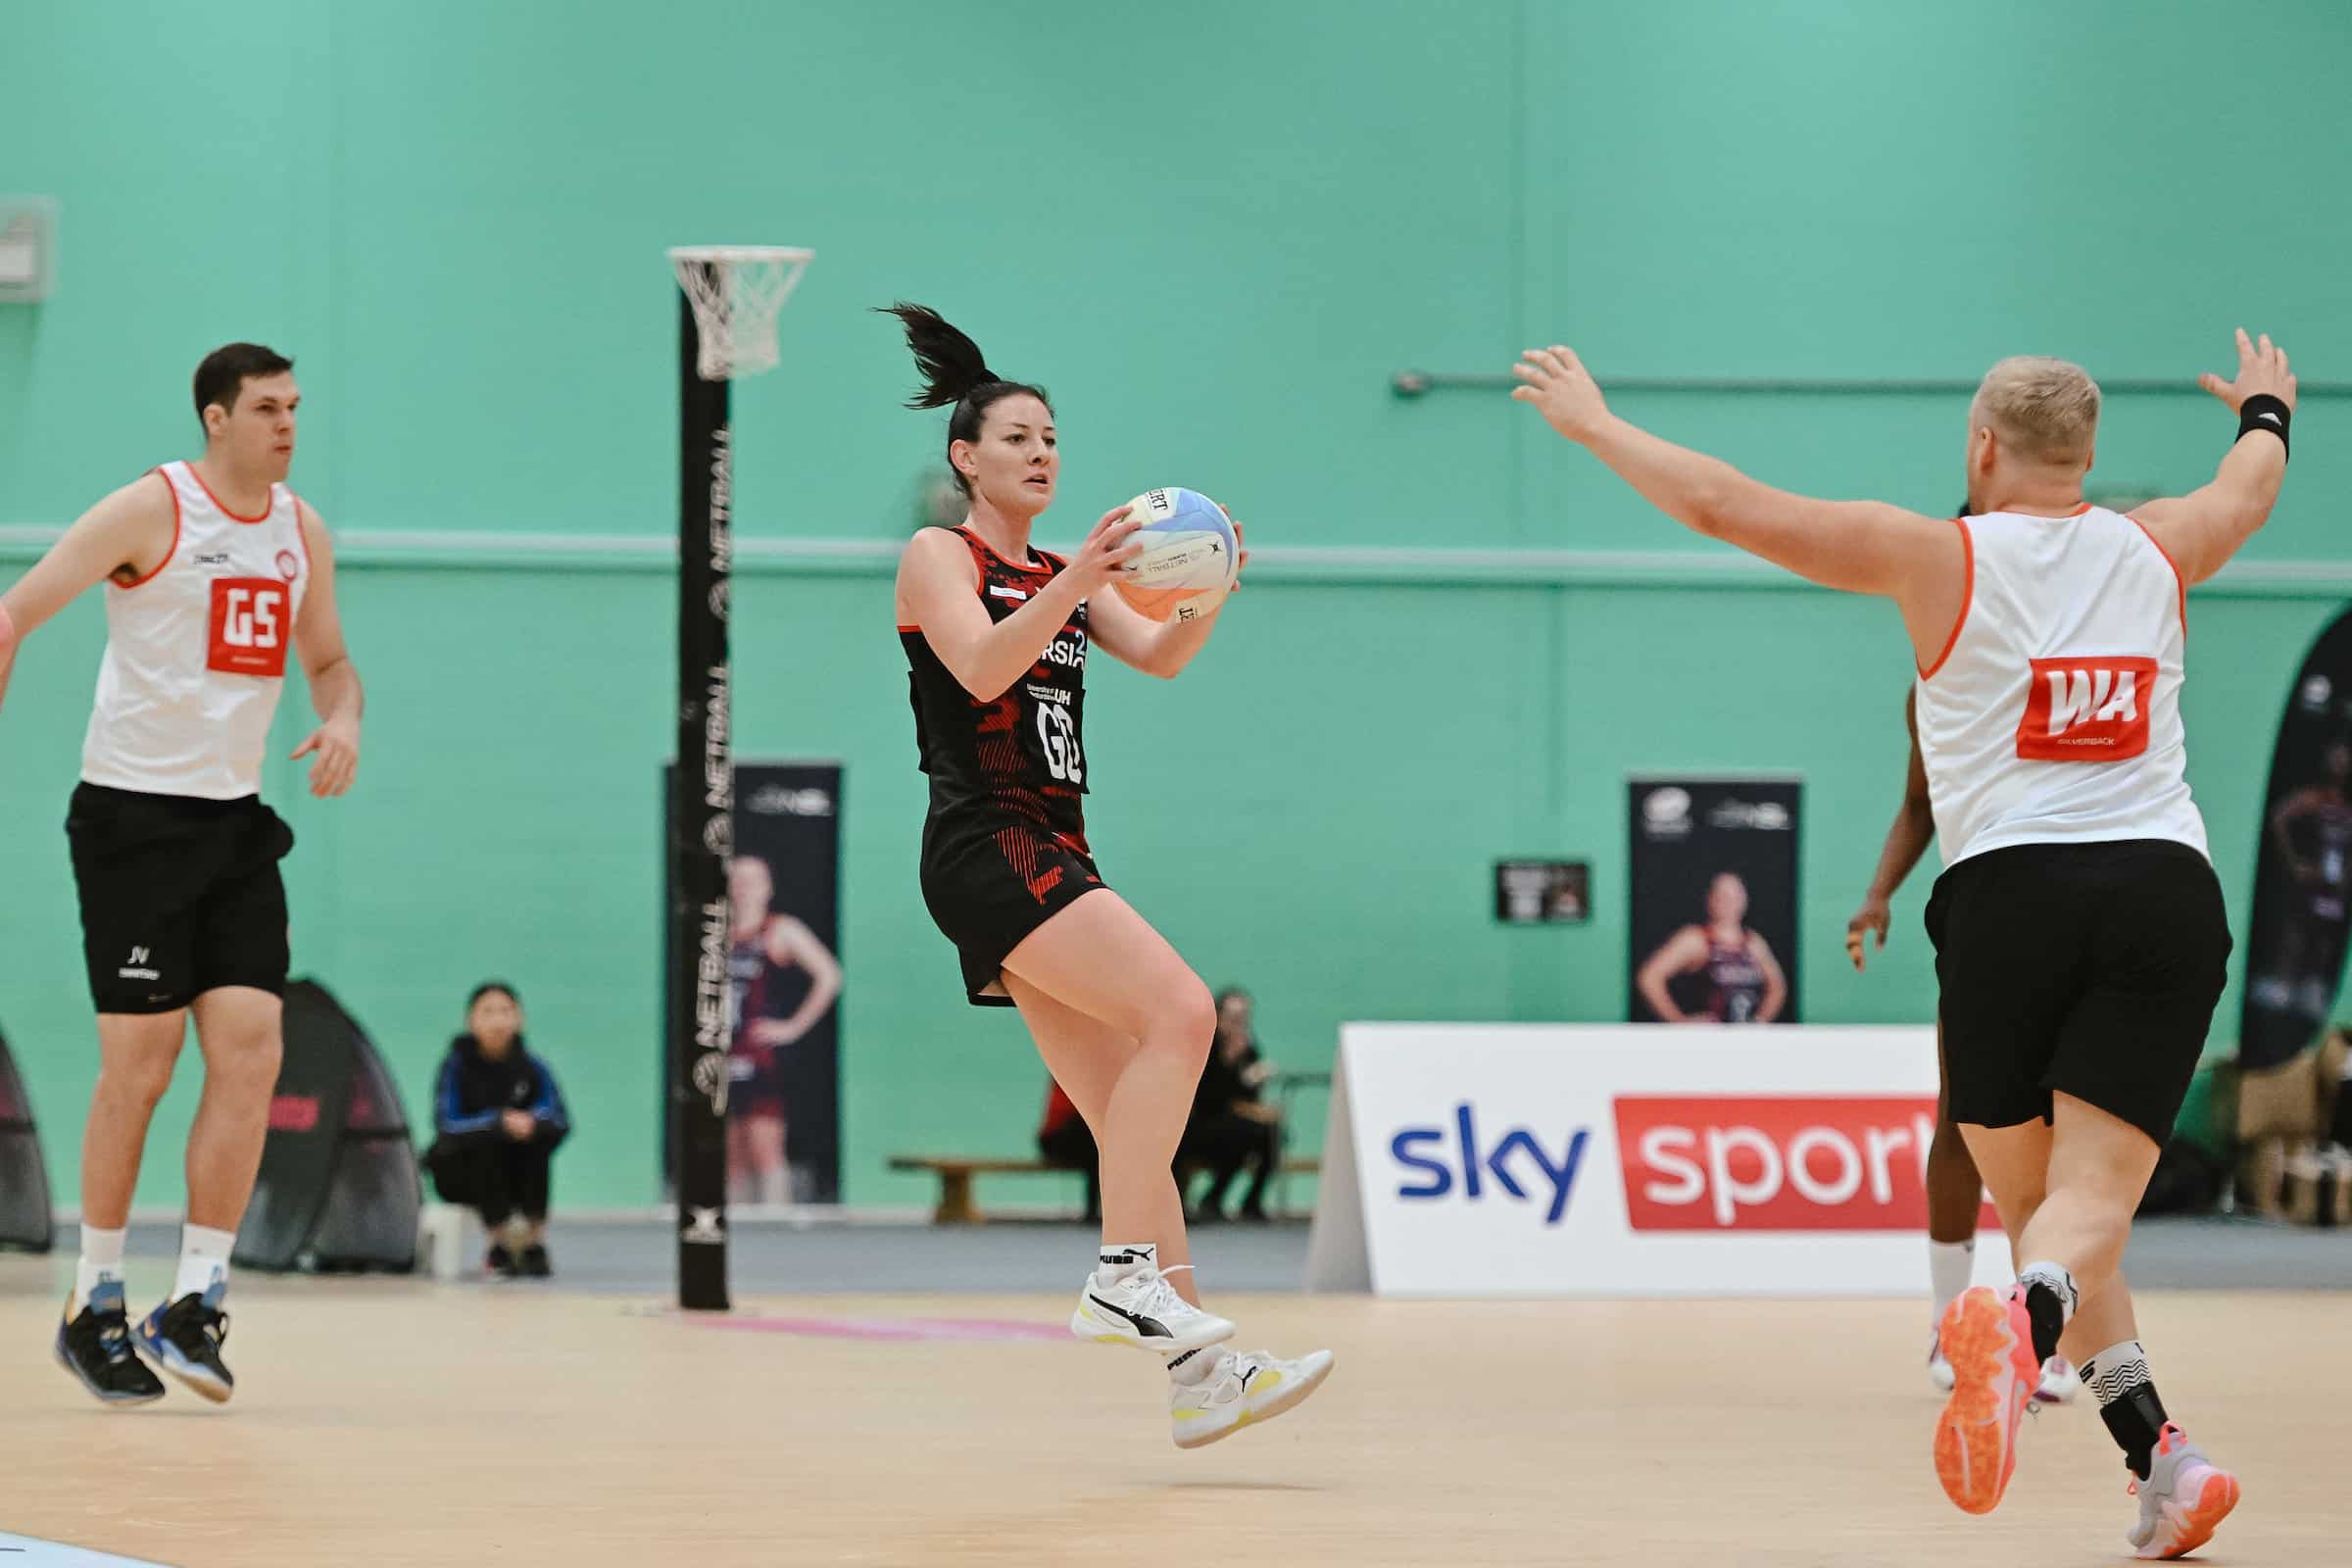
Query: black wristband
{"type": "Point", "coordinates": [2262, 412]}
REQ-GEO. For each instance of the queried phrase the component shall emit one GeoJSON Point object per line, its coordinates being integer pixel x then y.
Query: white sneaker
{"type": "Point", "coordinates": [1939, 1370]}
{"type": "Point", "coordinates": [2059, 1382]}
{"type": "Point", "coordinates": [1247, 1388]}
{"type": "Point", "coordinates": [1144, 1310]}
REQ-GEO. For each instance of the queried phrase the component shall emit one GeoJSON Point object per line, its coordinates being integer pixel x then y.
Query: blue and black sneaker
{"type": "Point", "coordinates": [184, 1338]}
{"type": "Point", "coordinates": [95, 1346]}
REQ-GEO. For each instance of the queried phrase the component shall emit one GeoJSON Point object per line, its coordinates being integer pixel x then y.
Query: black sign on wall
{"type": "Point", "coordinates": [1712, 918]}
{"type": "Point", "coordinates": [1543, 892]}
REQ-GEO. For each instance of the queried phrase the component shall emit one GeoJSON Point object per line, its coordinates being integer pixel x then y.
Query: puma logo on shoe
{"type": "Point", "coordinates": [1151, 1327]}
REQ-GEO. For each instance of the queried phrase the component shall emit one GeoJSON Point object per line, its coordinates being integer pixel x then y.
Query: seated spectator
{"type": "Point", "coordinates": [500, 1117]}
{"type": "Point", "coordinates": [1231, 1127]}
{"type": "Point", "coordinates": [1064, 1141]}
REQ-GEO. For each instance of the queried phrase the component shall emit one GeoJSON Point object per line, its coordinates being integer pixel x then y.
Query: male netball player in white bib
{"type": "Point", "coordinates": [2080, 936]}
{"type": "Point", "coordinates": [213, 570]}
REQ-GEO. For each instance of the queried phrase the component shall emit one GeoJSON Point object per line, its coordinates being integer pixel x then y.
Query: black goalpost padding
{"type": "Point", "coordinates": [702, 831]}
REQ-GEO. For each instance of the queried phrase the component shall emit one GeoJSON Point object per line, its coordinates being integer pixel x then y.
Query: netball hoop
{"type": "Point", "coordinates": [730, 296]}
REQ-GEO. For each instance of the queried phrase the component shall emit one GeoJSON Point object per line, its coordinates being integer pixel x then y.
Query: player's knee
{"type": "Point", "coordinates": [247, 1061]}
{"type": "Point", "coordinates": [1190, 1019]}
{"type": "Point", "coordinates": [137, 1080]}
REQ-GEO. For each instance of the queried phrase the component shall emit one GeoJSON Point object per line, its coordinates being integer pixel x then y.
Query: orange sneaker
{"type": "Point", "coordinates": [2183, 1499]}
{"type": "Point", "coordinates": [1989, 1341]}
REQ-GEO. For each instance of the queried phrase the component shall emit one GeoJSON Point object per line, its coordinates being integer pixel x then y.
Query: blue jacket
{"type": "Point", "coordinates": [475, 1091]}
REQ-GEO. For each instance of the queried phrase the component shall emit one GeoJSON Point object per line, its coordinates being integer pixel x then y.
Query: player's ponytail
{"type": "Point", "coordinates": [956, 374]}
{"type": "Point", "coordinates": [952, 365]}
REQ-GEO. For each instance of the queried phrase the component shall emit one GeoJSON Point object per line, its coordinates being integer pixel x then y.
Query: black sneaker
{"type": "Point", "coordinates": [534, 1265]}
{"type": "Point", "coordinates": [184, 1338]}
{"type": "Point", "coordinates": [500, 1262]}
{"type": "Point", "coordinates": [95, 1346]}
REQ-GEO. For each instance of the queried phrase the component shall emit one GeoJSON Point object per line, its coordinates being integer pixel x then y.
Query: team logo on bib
{"type": "Point", "coordinates": [288, 567]}
{"type": "Point", "coordinates": [2086, 710]}
{"type": "Point", "coordinates": [248, 624]}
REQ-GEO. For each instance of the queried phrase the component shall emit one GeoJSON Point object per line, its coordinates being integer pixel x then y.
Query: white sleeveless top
{"type": "Point", "coordinates": [196, 650]}
{"type": "Point", "coordinates": [2054, 714]}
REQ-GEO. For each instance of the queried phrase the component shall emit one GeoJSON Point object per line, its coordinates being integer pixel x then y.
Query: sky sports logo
{"type": "Point", "coordinates": [1518, 1165]}
{"type": "Point", "coordinates": [1705, 1163]}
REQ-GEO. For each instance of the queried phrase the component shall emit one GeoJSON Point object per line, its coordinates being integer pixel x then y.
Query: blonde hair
{"type": "Point", "coordinates": [2047, 408]}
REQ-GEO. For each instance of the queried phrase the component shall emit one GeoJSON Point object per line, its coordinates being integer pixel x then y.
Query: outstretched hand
{"type": "Point", "coordinates": [2261, 368]}
{"type": "Point", "coordinates": [1557, 383]}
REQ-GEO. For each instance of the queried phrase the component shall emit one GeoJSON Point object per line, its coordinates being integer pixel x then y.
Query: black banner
{"type": "Point", "coordinates": [24, 1210]}
{"type": "Point", "coordinates": [2303, 876]}
{"type": "Point", "coordinates": [700, 828]}
{"type": "Point", "coordinates": [338, 1187]}
{"type": "Point", "coordinates": [784, 985]}
{"type": "Point", "coordinates": [1712, 919]}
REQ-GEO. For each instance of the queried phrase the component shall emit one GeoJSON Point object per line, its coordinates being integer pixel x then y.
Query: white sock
{"type": "Point", "coordinates": [1125, 1258]}
{"type": "Point", "coordinates": [101, 1261]}
{"type": "Point", "coordinates": [2116, 1371]}
{"type": "Point", "coordinates": [203, 1259]}
{"type": "Point", "coordinates": [2060, 1282]}
{"type": "Point", "coordinates": [1197, 1366]}
{"type": "Point", "coordinates": [1949, 1267]}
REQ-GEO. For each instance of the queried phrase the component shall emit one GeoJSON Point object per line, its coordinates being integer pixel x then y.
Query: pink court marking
{"type": "Point", "coordinates": [892, 1328]}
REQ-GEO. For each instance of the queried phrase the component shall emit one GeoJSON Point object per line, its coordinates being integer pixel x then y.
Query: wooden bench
{"type": "Point", "coordinates": [955, 1205]}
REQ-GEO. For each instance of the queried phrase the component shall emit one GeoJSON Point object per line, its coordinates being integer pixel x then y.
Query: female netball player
{"type": "Point", "coordinates": [2080, 938]}
{"type": "Point", "coordinates": [1744, 982]}
{"type": "Point", "coordinates": [996, 636]}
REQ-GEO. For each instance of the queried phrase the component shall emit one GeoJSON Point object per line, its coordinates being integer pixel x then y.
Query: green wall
{"type": "Point", "coordinates": [1214, 231]}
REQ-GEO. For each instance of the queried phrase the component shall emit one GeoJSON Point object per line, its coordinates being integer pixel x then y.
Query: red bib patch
{"type": "Point", "coordinates": [2086, 710]}
{"type": "Point", "coordinates": [249, 627]}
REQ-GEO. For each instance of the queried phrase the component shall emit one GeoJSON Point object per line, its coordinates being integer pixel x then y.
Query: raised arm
{"type": "Point", "coordinates": [1907, 839]}
{"type": "Point", "coordinates": [1858, 546]}
{"type": "Point", "coordinates": [937, 592]}
{"type": "Point", "coordinates": [2203, 529]}
{"type": "Point", "coordinates": [125, 537]}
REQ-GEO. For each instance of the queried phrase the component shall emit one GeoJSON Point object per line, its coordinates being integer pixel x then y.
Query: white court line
{"type": "Point", "coordinates": [31, 1553]}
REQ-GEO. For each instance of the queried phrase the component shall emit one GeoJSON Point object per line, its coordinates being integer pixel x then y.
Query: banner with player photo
{"type": "Point", "coordinates": [1711, 924]}
{"type": "Point", "coordinates": [784, 994]}
{"type": "Point", "coordinates": [2303, 877]}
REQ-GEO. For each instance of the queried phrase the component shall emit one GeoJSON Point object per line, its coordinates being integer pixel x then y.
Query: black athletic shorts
{"type": "Point", "coordinates": [2091, 969]}
{"type": "Point", "coordinates": [179, 896]}
{"type": "Point", "coordinates": [988, 885]}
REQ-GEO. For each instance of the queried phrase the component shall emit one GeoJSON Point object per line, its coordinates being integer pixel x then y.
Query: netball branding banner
{"type": "Point", "coordinates": [779, 1084]}
{"type": "Point", "coordinates": [1530, 1160]}
{"type": "Point", "coordinates": [1711, 888]}
{"type": "Point", "coordinates": [2303, 878]}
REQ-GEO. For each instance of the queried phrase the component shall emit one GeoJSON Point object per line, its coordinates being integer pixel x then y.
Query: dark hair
{"type": "Point", "coordinates": [226, 371]}
{"type": "Point", "coordinates": [1231, 992]}
{"type": "Point", "coordinates": [954, 375]}
{"type": "Point", "coordinates": [486, 987]}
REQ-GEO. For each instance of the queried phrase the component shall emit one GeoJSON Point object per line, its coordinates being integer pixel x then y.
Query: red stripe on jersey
{"type": "Point", "coordinates": [175, 528]}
